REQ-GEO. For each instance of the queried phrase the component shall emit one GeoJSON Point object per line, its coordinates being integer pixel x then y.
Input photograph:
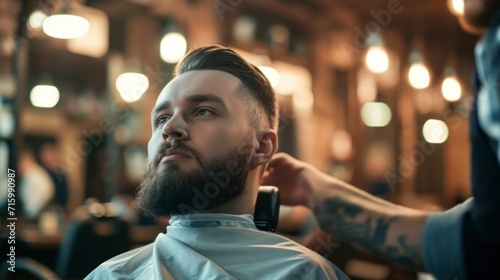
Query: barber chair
{"type": "Point", "coordinates": [27, 269]}
{"type": "Point", "coordinates": [89, 241]}
{"type": "Point", "coordinates": [267, 208]}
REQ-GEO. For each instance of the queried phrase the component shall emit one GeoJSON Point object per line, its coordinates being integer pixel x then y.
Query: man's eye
{"type": "Point", "coordinates": [204, 112]}
{"type": "Point", "coordinates": [161, 120]}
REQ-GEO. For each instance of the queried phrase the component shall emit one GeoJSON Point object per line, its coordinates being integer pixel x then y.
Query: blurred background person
{"type": "Point", "coordinates": [36, 189]}
{"type": "Point", "coordinates": [49, 158]}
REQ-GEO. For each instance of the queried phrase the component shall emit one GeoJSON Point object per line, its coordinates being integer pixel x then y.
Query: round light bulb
{"type": "Point", "coordinates": [376, 114]}
{"type": "Point", "coordinates": [451, 89]}
{"type": "Point", "coordinates": [173, 46]}
{"type": "Point", "coordinates": [63, 26]}
{"type": "Point", "coordinates": [44, 96]}
{"type": "Point", "coordinates": [132, 86]}
{"type": "Point", "coordinates": [419, 76]}
{"type": "Point", "coordinates": [435, 131]}
{"type": "Point", "coordinates": [456, 7]}
{"type": "Point", "coordinates": [36, 19]}
{"type": "Point", "coordinates": [377, 59]}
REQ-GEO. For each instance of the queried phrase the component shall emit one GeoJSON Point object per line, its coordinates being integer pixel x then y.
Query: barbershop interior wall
{"type": "Point", "coordinates": [135, 30]}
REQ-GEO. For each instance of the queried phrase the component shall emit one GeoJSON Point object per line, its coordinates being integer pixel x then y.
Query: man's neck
{"type": "Point", "coordinates": [244, 203]}
{"type": "Point", "coordinates": [237, 206]}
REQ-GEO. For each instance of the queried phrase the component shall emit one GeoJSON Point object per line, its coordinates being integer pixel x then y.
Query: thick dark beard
{"type": "Point", "coordinates": [173, 192]}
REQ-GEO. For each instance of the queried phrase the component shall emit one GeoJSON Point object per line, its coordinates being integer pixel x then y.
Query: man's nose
{"type": "Point", "coordinates": [175, 129]}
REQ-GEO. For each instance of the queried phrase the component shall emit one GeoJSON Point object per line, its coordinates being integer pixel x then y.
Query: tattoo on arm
{"type": "Point", "coordinates": [353, 223]}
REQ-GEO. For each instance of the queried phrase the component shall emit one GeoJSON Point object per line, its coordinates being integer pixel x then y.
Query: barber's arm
{"type": "Point", "coordinates": [388, 230]}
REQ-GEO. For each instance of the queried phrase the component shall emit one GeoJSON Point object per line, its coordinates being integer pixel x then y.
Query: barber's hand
{"type": "Point", "coordinates": [290, 176]}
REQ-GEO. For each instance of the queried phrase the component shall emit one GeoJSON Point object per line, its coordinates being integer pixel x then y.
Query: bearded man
{"type": "Point", "coordinates": [213, 132]}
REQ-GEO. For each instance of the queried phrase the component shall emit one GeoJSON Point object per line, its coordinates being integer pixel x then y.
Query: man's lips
{"type": "Point", "coordinates": [172, 155]}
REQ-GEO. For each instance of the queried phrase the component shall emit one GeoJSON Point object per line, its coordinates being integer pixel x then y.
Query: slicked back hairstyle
{"type": "Point", "coordinates": [252, 79]}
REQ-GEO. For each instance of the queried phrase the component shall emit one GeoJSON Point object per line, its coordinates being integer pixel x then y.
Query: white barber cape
{"type": "Point", "coordinates": [218, 246]}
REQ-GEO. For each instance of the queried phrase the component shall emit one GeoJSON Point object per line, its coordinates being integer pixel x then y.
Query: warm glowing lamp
{"type": "Point", "coordinates": [44, 96]}
{"type": "Point", "coordinates": [435, 131]}
{"type": "Point", "coordinates": [376, 58]}
{"type": "Point", "coordinates": [36, 19]}
{"type": "Point", "coordinates": [451, 89]}
{"type": "Point", "coordinates": [173, 46]}
{"type": "Point", "coordinates": [456, 7]}
{"type": "Point", "coordinates": [132, 86]}
{"type": "Point", "coordinates": [418, 75]}
{"type": "Point", "coordinates": [64, 25]}
{"type": "Point", "coordinates": [376, 114]}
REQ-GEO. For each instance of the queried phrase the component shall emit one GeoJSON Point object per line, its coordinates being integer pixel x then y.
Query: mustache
{"type": "Point", "coordinates": [180, 146]}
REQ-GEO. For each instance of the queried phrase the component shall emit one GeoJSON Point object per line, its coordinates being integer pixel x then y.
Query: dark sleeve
{"type": "Point", "coordinates": [481, 226]}
{"type": "Point", "coordinates": [443, 251]}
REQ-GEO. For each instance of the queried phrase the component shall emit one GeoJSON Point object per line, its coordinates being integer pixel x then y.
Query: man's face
{"type": "Point", "coordinates": [200, 147]}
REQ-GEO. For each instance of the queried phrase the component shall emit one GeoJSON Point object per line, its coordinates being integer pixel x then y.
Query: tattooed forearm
{"type": "Point", "coordinates": [370, 229]}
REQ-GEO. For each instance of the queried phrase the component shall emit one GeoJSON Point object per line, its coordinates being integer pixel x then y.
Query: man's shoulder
{"type": "Point", "coordinates": [299, 260]}
{"type": "Point", "coordinates": [127, 264]}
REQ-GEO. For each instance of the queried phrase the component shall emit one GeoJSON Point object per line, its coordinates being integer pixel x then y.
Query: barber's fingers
{"type": "Point", "coordinates": [273, 169]}
{"type": "Point", "coordinates": [279, 159]}
{"type": "Point", "coordinates": [271, 177]}
{"type": "Point", "coordinates": [281, 171]}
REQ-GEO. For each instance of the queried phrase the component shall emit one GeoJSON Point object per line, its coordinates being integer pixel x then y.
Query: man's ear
{"type": "Point", "coordinates": [268, 145]}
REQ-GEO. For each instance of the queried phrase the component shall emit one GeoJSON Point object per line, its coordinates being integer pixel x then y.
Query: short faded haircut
{"type": "Point", "coordinates": [253, 82]}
